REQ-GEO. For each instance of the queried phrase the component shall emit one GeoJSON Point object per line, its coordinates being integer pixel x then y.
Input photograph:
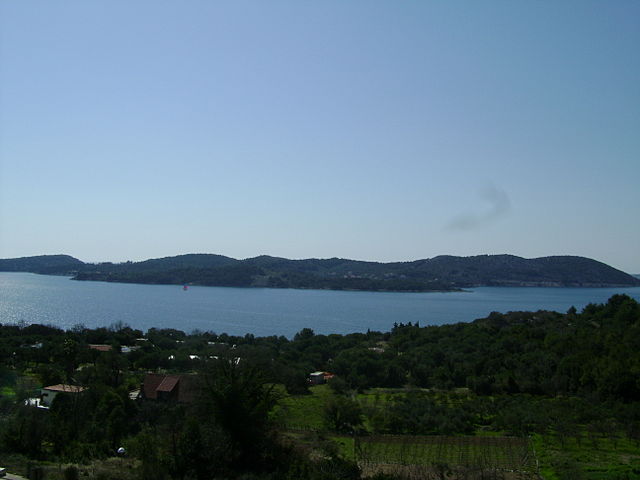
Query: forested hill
{"type": "Point", "coordinates": [438, 273]}
{"type": "Point", "coordinates": [46, 264]}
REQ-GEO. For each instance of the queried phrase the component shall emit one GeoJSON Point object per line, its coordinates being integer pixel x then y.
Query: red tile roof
{"type": "Point", "coordinates": [176, 387]}
{"type": "Point", "coordinates": [150, 385]}
{"type": "Point", "coordinates": [61, 387]}
{"type": "Point", "coordinates": [101, 348]}
{"type": "Point", "coordinates": [168, 383]}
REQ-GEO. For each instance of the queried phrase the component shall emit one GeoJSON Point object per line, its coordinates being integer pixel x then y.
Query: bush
{"type": "Point", "coordinates": [342, 414]}
{"type": "Point", "coordinates": [71, 473]}
{"type": "Point", "coordinates": [339, 385]}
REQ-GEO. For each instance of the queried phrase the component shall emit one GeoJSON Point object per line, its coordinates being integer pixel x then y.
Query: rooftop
{"type": "Point", "coordinates": [61, 387]}
{"type": "Point", "coordinates": [101, 348]}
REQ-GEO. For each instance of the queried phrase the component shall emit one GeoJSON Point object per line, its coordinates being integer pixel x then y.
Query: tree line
{"type": "Point", "coordinates": [519, 373]}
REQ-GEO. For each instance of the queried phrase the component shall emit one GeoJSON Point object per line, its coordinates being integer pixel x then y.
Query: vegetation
{"type": "Point", "coordinates": [445, 273]}
{"type": "Point", "coordinates": [45, 264]}
{"type": "Point", "coordinates": [478, 400]}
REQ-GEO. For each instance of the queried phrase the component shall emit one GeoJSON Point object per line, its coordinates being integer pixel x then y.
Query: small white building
{"type": "Point", "coordinates": [35, 402]}
{"type": "Point", "coordinates": [47, 394]}
{"type": "Point", "coordinates": [316, 378]}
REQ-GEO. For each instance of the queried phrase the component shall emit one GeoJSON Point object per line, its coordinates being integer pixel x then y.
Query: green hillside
{"type": "Point", "coordinates": [442, 273]}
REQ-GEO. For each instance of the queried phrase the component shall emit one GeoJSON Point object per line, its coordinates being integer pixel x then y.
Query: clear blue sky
{"type": "Point", "coordinates": [370, 130]}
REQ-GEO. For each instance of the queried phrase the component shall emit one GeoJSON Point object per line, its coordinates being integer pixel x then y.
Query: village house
{"type": "Point", "coordinates": [318, 378]}
{"type": "Point", "coordinates": [100, 348]}
{"type": "Point", "coordinates": [47, 394]}
{"type": "Point", "coordinates": [162, 387]}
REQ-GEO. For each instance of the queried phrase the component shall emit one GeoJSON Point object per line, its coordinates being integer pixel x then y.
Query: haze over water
{"type": "Point", "coordinates": [30, 298]}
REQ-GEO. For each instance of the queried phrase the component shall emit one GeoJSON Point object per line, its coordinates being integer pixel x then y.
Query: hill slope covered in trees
{"type": "Point", "coordinates": [566, 381]}
{"type": "Point", "coordinates": [438, 273]}
{"type": "Point", "coordinates": [45, 264]}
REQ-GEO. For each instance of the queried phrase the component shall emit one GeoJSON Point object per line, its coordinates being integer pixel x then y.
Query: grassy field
{"type": "Point", "coordinates": [304, 412]}
{"type": "Point", "coordinates": [588, 458]}
{"type": "Point", "coordinates": [509, 453]}
{"type": "Point", "coordinates": [422, 457]}
{"type": "Point", "coordinates": [7, 392]}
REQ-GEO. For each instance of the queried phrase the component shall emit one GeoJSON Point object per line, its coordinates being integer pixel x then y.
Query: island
{"type": "Point", "coordinates": [441, 273]}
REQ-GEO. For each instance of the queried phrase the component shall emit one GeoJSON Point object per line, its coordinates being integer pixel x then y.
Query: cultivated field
{"type": "Point", "coordinates": [441, 456]}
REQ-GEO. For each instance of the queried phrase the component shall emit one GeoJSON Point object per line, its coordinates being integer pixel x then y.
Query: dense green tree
{"type": "Point", "coordinates": [343, 414]}
{"type": "Point", "coordinates": [237, 397]}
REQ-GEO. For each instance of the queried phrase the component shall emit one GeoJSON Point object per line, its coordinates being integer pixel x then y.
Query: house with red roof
{"type": "Point", "coordinates": [100, 347]}
{"type": "Point", "coordinates": [318, 378]}
{"type": "Point", "coordinates": [164, 387]}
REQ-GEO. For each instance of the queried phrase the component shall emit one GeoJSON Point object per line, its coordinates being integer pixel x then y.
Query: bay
{"type": "Point", "coordinates": [59, 301]}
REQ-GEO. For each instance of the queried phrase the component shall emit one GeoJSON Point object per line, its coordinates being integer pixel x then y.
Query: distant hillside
{"type": "Point", "coordinates": [443, 273]}
{"type": "Point", "coordinates": [46, 264]}
{"type": "Point", "coordinates": [191, 260]}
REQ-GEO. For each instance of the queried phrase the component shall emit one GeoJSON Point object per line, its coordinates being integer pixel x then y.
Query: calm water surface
{"type": "Point", "coordinates": [30, 298]}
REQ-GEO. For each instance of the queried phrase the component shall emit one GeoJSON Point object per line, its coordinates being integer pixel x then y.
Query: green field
{"type": "Point", "coordinates": [304, 412]}
{"type": "Point", "coordinates": [588, 457]}
{"type": "Point", "coordinates": [7, 392]}
{"type": "Point", "coordinates": [595, 458]}
{"type": "Point", "coordinates": [509, 453]}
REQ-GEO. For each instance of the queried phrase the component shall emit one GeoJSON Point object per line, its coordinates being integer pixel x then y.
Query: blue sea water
{"type": "Point", "coordinates": [30, 298]}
